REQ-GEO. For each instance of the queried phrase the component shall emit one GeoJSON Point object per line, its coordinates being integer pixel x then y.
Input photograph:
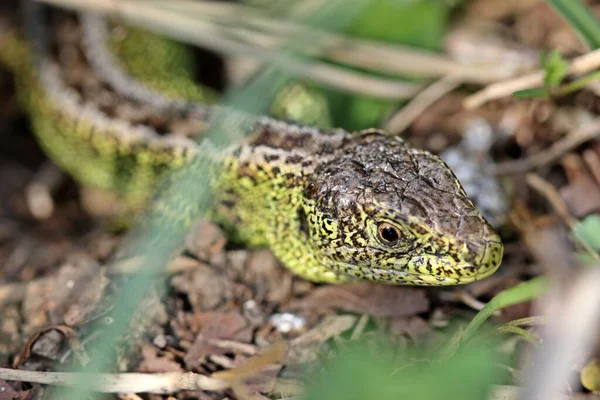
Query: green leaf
{"type": "Point", "coordinates": [530, 93]}
{"type": "Point", "coordinates": [556, 68]}
{"type": "Point", "coordinates": [581, 19]}
{"type": "Point", "coordinates": [588, 231]}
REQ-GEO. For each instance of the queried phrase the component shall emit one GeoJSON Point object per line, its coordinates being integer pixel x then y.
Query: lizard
{"type": "Point", "coordinates": [333, 206]}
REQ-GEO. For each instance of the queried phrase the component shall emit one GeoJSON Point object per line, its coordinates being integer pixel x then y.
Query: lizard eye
{"type": "Point", "coordinates": [388, 233]}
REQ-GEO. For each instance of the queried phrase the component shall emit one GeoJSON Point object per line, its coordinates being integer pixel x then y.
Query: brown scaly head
{"type": "Point", "coordinates": [382, 210]}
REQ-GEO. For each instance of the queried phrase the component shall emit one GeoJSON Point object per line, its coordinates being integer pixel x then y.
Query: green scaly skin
{"type": "Point", "coordinates": [332, 206]}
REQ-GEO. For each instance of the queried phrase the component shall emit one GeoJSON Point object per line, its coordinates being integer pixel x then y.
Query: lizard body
{"type": "Point", "coordinates": [331, 205]}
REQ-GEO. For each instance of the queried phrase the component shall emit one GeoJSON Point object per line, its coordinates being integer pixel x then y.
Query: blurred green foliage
{"type": "Point", "coordinates": [555, 68]}
{"type": "Point", "coordinates": [587, 26]}
{"type": "Point", "coordinates": [387, 374]}
{"type": "Point", "coordinates": [416, 23]}
{"type": "Point", "coordinates": [588, 231]}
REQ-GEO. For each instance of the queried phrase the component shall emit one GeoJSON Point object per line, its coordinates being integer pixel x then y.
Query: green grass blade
{"type": "Point", "coordinates": [185, 198]}
{"type": "Point", "coordinates": [519, 294]}
{"type": "Point", "coordinates": [580, 18]}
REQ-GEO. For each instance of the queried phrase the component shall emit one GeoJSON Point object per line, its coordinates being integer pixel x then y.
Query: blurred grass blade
{"type": "Point", "coordinates": [521, 293]}
{"type": "Point", "coordinates": [588, 231]}
{"type": "Point", "coordinates": [186, 195]}
{"type": "Point", "coordinates": [581, 19]}
{"type": "Point", "coordinates": [386, 373]}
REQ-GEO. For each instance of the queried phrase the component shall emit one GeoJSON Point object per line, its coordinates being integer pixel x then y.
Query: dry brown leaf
{"type": "Point", "coordinates": [205, 240]}
{"type": "Point", "coordinates": [306, 348]}
{"type": "Point", "coordinates": [217, 325]}
{"type": "Point", "coordinates": [7, 391]}
{"type": "Point", "coordinates": [582, 193]}
{"type": "Point", "coordinates": [365, 298]}
{"type": "Point", "coordinates": [205, 288]}
{"type": "Point", "coordinates": [70, 297]}
{"type": "Point", "coordinates": [153, 362]}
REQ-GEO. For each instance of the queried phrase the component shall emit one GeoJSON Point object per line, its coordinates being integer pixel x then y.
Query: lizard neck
{"type": "Point", "coordinates": [260, 192]}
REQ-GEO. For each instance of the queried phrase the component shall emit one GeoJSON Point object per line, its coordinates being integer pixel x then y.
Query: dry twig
{"type": "Point", "coordinates": [205, 34]}
{"type": "Point", "coordinates": [169, 382]}
{"type": "Point", "coordinates": [581, 65]}
{"type": "Point", "coordinates": [119, 383]}
{"type": "Point", "coordinates": [219, 27]}
{"type": "Point", "coordinates": [407, 114]}
{"type": "Point", "coordinates": [557, 150]}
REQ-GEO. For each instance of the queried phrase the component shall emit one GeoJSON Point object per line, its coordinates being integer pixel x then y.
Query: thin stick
{"type": "Point", "coordinates": [202, 33]}
{"type": "Point", "coordinates": [470, 301]}
{"type": "Point", "coordinates": [169, 382]}
{"type": "Point", "coordinates": [557, 150]}
{"type": "Point", "coordinates": [407, 114]}
{"type": "Point", "coordinates": [163, 383]}
{"type": "Point", "coordinates": [583, 64]}
{"type": "Point", "coordinates": [363, 53]}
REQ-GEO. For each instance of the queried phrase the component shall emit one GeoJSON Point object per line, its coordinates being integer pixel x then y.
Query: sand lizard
{"type": "Point", "coordinates": [333, 206]}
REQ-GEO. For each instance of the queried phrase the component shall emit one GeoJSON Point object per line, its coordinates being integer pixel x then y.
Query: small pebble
{"type": "Point", "coordinates": [287, 322]}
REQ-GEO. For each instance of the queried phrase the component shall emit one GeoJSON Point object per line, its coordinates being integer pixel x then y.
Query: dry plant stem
{"type": "Point", "coordinates": [133, 265]}
{"type": "Point", "coordinates": [515, 330]}
{"type": "Point", "coordinates": [120, 383]}
{"type": "Point", "coordinates": [201, 33]}
{"type": "Point", "coordinates": [129, 396]}
{"type": "Point", "coordinates": [557, 150]}
{"type": "Point", "coordinates": [466, 298]}
{"type": "Point", "coordinates": [368, 54]}
{"type": "Point", "coordinates": [470, 301]}
{"type": "Point", "coordinates": [407, 114]}
{"type": "Point", "coordinates": [360, 327]}
{"type": "Point", "coordinates": [550, 193]}
{"type": "Point", "coordinates": [231, 345]}
{"type": "Point", "coordinates": [583, 64]}
{"type": "Point", "coordinates": [529, 321]}
{"type": "Point", "coordinates": [571, 329]}
{"type": "Point", "coordinates": [381, 57]}
{"type": "Point", "coordinates": [170, 382]}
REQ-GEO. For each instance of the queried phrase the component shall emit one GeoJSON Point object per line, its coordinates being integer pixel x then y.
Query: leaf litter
{"type": "Point", "coordinates": [223, 306]}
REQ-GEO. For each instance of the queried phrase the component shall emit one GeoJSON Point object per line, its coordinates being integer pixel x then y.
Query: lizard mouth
{"type": "Point", "coordinates": [436, 269]}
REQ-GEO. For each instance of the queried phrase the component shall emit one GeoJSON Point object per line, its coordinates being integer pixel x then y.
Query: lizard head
{"type": "Point", "coordinates": [382, 210]}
